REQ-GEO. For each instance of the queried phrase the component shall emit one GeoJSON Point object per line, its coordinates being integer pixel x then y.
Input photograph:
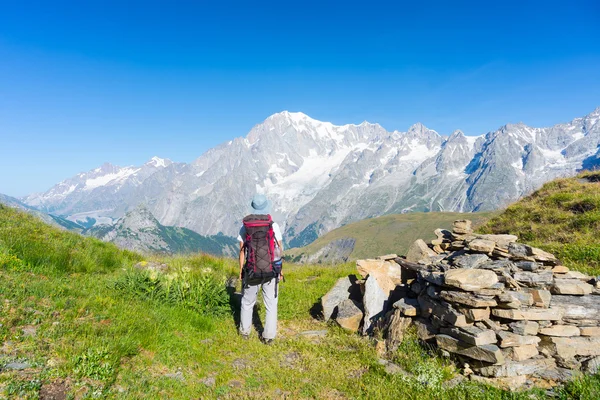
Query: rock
{"type": "Point", "coordinates": [433, 292]}
{"type": "Point", "coordinates": [493, 325]}
{"type": "Point", "coordinates": [527, 265]}
{"type": "Point", "coordinates": [419, 251]}
{"type": "Point", "coordinates": [519, 297]}
{"type": "Point", "coordinates": [17, 366]}
{"type": "Point", "coordinates": [556, 374]}
{"type": "Point", "coordinates": [482, 246]}
{"type": "Point", "coordinates": [395, 330]}
{"type": "Point", "coordinates": [577, 307]}
{"type": "Point", "coordinates": [467, 299]}
{"type": "Point", "coordinates": [313, 334]}
{"type": "Point", "coordinates": [560, 269]}
{"type": "Point", "coordinates": [470, 279]}
{"type": "Point", "coordinates": [209, 381]}
{"type": "Point", "coordinates": [475, 314]}
{"type": "Point", "coordinates": [543, 256]}
{"type": "Point", "coordinates": [576, 275]}
{"type": "Point", "coordinates": [589, 331]}
{"type": "Point", "coordinates": [339, 292]}
{"type": "Point", "coordinates": [502, 241]}
{"type": "Point", "coordinates": [591, 366]}
{"type": "Point", "coordinates": [488, 353]}
{"type": "Point", "coordinates": [425, 329]}
{"type": "Point", "coordinates": [541, 297]}
{"type": "Point", "coordinates": [408, 307]}
{"type": "Point", "coordinates": [388, 257]}
{"type": "Point", "coordinates": [462, 227]}
{"type": "Point", "coordinates": [374, 303]}
{"type": "Point", "coordinates": [437, 278]}
{"type": "Point", "coordinates": [29, 331]}
{"type": "Point", "coordinates": [522, 353]}
{"type": "Point", "coordinates": [471, 335]}
{"type": "Point", "coordinates": [519, 250]}
{"type": "Point", "coordinates": [178, 376]}
{"type": "Point", "coordinates": [533, 279]}
{"type": "Point", "coordinates": [446, 313]}
{"type": "Point", "coordinates": [349, 315]}
{"type": "Point", "coordinates": [516, 368]}
{"type": "Point", "coordinates": [393, 369]}
{"type": "Point", "coordinates": [533, 314]}
{"type": "Point", "coordinates": [560, 330]}
{"type": "Point", "coordinates": [569, 347]}
{"type": "Point", "coordinates": [387, 273]}
{"type": "Point", "coordinates": [471, 261]}
{"type": "Point", "coordinates": [525, 327]}
{"type": "Point", "coordinates": [571, 286]}
{"type": "Point", "coordinates": [509, 339]}
{"type": "Point", "coordinates": [512, 383]}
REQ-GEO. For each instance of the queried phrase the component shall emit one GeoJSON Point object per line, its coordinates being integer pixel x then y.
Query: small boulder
{"type": "Point", "coordinates": [339, 292]}
{"type": "Point", "coordinates": [470, 279]}
{"type": "Point", "coordinates": [349, 315]}
{"type": "Point", "coordinates": [419, 251]}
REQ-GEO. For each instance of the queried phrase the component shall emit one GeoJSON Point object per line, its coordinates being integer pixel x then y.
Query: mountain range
{"type": "Point", "coordinates": [321, 176]}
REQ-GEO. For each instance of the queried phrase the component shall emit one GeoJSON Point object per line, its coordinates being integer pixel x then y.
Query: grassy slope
{"type": "Point", "coordinates": [389, 233]}
{"type": "Point", "coordinates": [102, 343]}
{"type": "Point", "coordinates": [562, 217]}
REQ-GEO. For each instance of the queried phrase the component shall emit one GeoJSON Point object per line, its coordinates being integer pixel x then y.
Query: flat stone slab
{"type": "Point", "coordinates": [471, 335]}
{"type": "Point", "coordinates": [471, 261]}
{"type": "Point", "coordinates": [522, 353]}
{"type": "Point", "coordinates": [467, 299]}
{"type": "Point", "coordinates": [569, 347]}
{"type": "Point", "coordinates": [560, 330]}
{"type": "Point", "coordinates": [577, 307]}
{"type": "Point", "coordinates": [509, 339]}
{"type": "Point", "coordinates": [482, 246]}
{"type": "Point", "coordinates": [516, 368]}
{"type": "Point", "coordinates": [488, 353]}
{"type": "Point", "coordinates": [315, 333]}
{"type": "Point", "coordinates": [527, 328]}
{"type": "Point", "coordinates": [571, 287]}
{"type": "Point", "coordinates": [532, 314]}
{"type": "Point", "coordinates": [589, 330]}
{"type": "Point", "coordinates": [541, 278]}
{"type": "Point", "coordinates": [475, 314]}
{"type": "Point", "coordinates": [470, 279]}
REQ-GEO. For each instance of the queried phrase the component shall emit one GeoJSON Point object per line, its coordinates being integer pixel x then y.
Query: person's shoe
{"type": "Point", "coordinates": [245, 337]}
{"type": "Point", "coordinates": [268, 341]}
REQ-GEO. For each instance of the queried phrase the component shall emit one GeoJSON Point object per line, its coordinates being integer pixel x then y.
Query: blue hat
{"type": "Point", "coordinates": [260, 204]}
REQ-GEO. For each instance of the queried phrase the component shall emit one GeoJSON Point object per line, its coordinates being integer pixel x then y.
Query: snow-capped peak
{"type": "Point", "coordinates": [158, 162]}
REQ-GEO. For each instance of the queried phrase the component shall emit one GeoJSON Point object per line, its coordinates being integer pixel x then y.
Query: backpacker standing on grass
{"type": "Point", "coordinates": [260, 266]}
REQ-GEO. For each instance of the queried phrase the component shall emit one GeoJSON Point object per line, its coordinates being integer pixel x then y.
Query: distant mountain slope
{"type": "Point", "coordinates": [47, 218]}
{"type": "Point", "coordinates": [377, 236]}
{"type": "Point", "coordinates": [562, 217]}
{"type": "Point", "coordinates": [321, 176]}
{"type": "Point", "coordinates": [139, 231]}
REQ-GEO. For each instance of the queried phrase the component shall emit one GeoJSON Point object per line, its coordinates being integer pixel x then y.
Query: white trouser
{"type": "Point", "coordinates": [249, 295]}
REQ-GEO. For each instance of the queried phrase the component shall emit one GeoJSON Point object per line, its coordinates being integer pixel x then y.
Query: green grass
{"type": "Point", "coordinates": [27, 242]}
{"type": "Point", "coordinates": [390, 233]}
{"type": "Point", "coordinates": [563, 217]}
{"type": "Point", "coordinates": [97, 335]}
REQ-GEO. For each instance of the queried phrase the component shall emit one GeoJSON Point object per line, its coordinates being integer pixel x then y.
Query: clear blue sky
{"type": "Point", "coordinates": [85, 82]}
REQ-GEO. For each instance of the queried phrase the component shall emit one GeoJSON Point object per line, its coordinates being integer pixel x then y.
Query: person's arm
{"type": "Point", "coordinates": [242, 258]}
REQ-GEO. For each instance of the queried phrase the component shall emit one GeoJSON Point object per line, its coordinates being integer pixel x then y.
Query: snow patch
{"type": "Point", "coordinates": [110, 179]}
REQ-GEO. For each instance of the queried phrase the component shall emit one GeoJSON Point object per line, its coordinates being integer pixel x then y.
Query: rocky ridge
{"type": "Point", "coordinates": [321, 176]}
{"type": "Point", "coordinates": [509, 314]}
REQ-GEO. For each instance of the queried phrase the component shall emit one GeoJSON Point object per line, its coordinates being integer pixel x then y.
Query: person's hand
{"type": "Point", "coordinates": [281, 276]}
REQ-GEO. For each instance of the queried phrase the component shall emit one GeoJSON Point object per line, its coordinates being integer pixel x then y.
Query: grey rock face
{"type": "Point", "coordinates": [321, 176]}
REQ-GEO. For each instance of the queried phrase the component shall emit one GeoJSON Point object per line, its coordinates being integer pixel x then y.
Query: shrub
{"type": "Point", "coordinates": [203, 292]}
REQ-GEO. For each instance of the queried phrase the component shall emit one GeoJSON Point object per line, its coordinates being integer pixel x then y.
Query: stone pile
{"type": "Point", "coordinates": [511, 314]}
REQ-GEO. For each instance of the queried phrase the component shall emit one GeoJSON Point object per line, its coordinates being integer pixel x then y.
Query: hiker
{"type": "Point", "coordinates": [260, 266]}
